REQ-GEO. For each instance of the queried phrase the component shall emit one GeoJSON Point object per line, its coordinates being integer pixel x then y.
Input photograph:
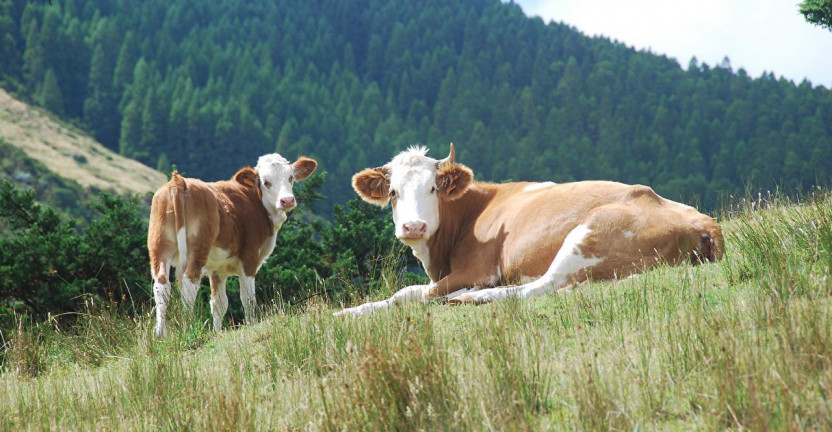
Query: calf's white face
{"type": "Point", "coordinates": [277, 175]}
{"type": "Point", "coordinates": [414, 184]}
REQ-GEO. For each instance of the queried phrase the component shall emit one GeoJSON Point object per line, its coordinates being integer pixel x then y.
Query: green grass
{"type": "Point", "coordinates": [742, 344]}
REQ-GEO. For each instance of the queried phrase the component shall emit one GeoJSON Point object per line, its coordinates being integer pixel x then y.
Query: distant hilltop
{"type": "Point", "coordinates": [70, 152]}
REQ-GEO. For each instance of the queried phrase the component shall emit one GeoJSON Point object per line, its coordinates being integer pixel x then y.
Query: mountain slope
{"type": "Point", "coordinates": [71, 153]}
{"type": "Point", "coordinates": [213, 85]}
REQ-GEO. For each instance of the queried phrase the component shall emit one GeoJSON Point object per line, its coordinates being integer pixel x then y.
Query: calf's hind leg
{"type": "Point", "coordinates": [219, 300]}
{"type": "Point", "coordinates": [161, 295]}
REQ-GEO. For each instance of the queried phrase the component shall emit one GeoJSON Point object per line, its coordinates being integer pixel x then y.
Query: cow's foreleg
{"type": "Point", "coordinates": [410, 294]}
{"type": "Point", "coordinates": [570, 265]}
{"type": "Point", "coordinates": [248, 298]}
{"type": "Point", "coordinates": [219, 300]}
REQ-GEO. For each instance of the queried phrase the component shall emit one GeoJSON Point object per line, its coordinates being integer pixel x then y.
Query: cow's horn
{"type": "Point", "coordinates": [449, 159]}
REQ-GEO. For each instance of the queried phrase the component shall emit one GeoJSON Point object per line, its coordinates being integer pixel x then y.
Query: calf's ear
{"type": "Point", "coordinates": [373, 185]}
{"type": "Point", "coordinates": [304, 167]}
{"type": "Point", "coordinates": [452, 180]}
{"type": "Point", "coordinates": [248, 177]}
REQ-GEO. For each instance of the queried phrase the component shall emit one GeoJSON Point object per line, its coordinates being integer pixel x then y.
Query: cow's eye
{"type": "Point", "coordinates": [433, 189]}
{"type": "Point", "coordinates": [267, 184]}
{"type": "Point", "coordinates": [291, 179]}
{"type": "Point", "coordinates": [392, 194]}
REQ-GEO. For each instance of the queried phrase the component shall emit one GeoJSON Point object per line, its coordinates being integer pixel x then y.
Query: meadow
{"type": "Point", "coordinates": [741, 344]}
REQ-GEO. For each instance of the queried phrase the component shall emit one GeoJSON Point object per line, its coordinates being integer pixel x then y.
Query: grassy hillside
{"type": "Point", "coordinates": [69, 152]}
{"type": "Point", "coordinates": [742, 344]}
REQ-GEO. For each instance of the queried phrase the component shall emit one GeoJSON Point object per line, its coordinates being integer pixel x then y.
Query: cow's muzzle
{"type": "Point", "coordinates": [288, 203]}
{"type": "Point", "coordinates": [413, 230]}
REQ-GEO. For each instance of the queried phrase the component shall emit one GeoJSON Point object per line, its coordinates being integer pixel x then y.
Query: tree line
{"type": "Point", "coordinates": [210, 86]}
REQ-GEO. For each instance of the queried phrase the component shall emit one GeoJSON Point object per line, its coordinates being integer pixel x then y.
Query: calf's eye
{"type": "Point", "coordinates": [267, 184]}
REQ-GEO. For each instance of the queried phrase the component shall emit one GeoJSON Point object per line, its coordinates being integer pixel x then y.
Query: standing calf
{"type": "Point", "coordinates": [219, 229]}
{"type": "Point", "coordinates": [475, 239]}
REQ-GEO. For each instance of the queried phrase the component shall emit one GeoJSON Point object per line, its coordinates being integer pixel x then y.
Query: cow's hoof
{"type": "Point", "coordinates": [463, 299]}
{"type": "Point", "coordinates": [346, 312]}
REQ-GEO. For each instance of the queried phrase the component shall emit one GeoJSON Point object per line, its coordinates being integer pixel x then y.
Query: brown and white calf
{"type": "Point", "coordinates": [219, 229]}
{"type": "Point", "coordinates": [481, 242]}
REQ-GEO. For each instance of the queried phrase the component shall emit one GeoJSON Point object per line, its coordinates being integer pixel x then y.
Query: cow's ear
{"type": "Point", "coordinates": [452, 180]}
{"type": "Point", "coordinates": [304, 167]}
{"type": "Point", "coordinates": [373, 185]}
{"type": "Point", "coordinates": [248, 177]}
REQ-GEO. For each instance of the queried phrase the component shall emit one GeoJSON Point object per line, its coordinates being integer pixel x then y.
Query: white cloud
{"type": "Point", "coordinates": [757, 36]}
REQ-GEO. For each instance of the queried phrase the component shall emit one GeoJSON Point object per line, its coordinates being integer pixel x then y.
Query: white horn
{"type": "Point", "coordinates": [449, 159]}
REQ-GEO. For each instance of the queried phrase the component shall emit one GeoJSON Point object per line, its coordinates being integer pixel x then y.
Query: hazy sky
{"type": "Point", "coordinates": [756, 35]}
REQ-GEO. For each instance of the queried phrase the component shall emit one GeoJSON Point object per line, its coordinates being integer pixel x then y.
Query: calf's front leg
{"type": "Point", "coordinates": [248, 299]}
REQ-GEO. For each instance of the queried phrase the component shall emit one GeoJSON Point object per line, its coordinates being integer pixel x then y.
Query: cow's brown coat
{"type": "Point", "coordinates": [519, 232]}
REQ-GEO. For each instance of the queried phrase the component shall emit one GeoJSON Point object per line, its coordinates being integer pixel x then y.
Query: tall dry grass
{"type": "Point", "coordinates": [744, 344]}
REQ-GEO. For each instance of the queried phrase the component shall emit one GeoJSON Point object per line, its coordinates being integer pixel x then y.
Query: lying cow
{"type": "Point", "coordinates": [476, 239]}
{"type": "Point", "coordinates": [219, 229]}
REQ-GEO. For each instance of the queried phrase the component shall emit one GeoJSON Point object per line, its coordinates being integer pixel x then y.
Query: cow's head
{"type": "Point", "coordinates": [274, 176]}
{"type": "Point", "coordinates": [414, 184]}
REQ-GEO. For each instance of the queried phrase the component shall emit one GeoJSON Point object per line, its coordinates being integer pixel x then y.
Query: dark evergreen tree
{"type": "Point", "coordinates": [354, 82]}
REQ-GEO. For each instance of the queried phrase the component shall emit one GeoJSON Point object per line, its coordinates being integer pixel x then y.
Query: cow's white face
{"type": "Point", "coordinates": [414, 184]}
{"type": "Point", "coordinates": [414, 198]}
{"type": "Point", "coordinates": [277, 176]}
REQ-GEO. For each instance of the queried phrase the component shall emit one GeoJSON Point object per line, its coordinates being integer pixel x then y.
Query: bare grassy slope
{"type": "Point", "coordinates": [71, 153]}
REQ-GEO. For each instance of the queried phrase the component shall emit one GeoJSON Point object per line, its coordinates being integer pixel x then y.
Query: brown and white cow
{"type": "Point", "coordinates": [481, 242]}
{"type": "Point", "coordinates": [219, 229]}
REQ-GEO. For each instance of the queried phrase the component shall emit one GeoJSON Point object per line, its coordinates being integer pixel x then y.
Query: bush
{"type": "Point", "coordinates": [48, 265]}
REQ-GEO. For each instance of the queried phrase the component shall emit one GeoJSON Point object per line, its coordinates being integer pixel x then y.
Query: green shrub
{"type": "Point", "coordinates": [48, 265]}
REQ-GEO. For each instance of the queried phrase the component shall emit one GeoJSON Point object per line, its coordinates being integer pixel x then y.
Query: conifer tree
{"type": "Point", "coordinates": [50, 96]}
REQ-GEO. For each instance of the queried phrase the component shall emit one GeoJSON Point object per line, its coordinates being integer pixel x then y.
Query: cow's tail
{"type": "Point", "coordinates": [712, 244]}
{"type": "Point", "coordinates": [177, 191]}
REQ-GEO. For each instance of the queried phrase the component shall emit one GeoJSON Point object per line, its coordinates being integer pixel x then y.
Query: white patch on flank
{"type": "Point", "coordinates": [568, 262]}
{"type": "Point", "coordinates": [536, 186]}
{"type": "Point", "coordinates": [629, 235]}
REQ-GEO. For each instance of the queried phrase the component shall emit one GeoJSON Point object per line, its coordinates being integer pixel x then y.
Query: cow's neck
{"type": "Point", "coordinates": [273, 217]}
{"type": "Point", "coordinates": [457, 219]}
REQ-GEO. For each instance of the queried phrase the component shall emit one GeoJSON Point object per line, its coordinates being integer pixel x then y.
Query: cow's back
{"type": "Point", "coordinates": [223, 219]}
{"type": "Point", "coordinates": [534, 219]}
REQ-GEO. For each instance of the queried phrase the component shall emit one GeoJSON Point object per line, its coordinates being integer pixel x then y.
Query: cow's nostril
{"type": "Point", "coordinates": [415, 228]}
{"type": "Point", "coordinates": [287, 202]}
